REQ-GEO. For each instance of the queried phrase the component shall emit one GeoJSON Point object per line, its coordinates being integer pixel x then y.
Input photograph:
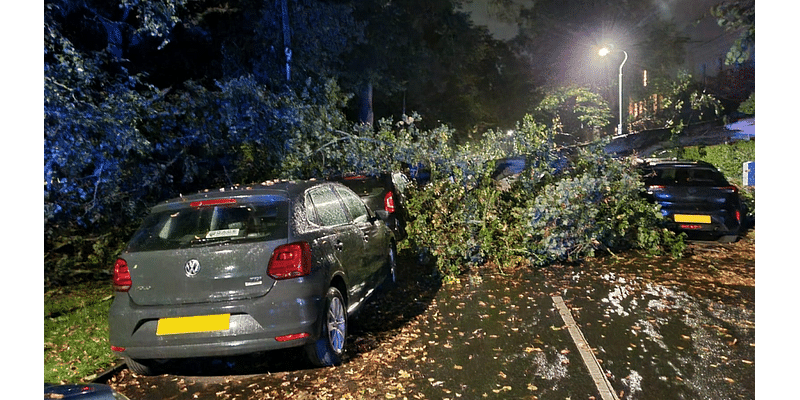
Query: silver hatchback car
{"type": "Point", "coordinates": [245, 270]}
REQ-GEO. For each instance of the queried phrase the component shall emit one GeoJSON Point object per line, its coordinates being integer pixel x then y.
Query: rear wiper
{"type": "Point", "coordinates": [209, 241]}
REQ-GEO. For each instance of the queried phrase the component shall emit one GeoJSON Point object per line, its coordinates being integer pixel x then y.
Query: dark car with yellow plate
{"type": "Point", "coordinates": [695, 198]}
{"type": "Point", "coordinates": [245, 270]}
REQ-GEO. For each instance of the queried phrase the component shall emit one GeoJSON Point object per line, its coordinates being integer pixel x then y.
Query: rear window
{"type": "Point", "coordinates": [240, 222]}
{"type": "Point", "coordinates": [364, 186]}
{"type": "Point", "coordinates": [682, 176]}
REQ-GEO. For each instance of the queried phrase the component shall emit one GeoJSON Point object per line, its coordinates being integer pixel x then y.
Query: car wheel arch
{"type": "Point", "coordinates": [338, 281]}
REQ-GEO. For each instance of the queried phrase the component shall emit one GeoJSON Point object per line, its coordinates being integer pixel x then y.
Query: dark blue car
{"type": "Point", "coordinates": [695, 198]}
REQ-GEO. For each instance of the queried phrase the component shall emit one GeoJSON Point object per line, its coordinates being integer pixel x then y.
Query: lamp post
{"type": "Point", "coordinates": [604, 52]}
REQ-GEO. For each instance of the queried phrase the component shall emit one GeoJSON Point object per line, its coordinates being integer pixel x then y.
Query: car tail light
{"type": "Point", "coordinates": [290, 261]}
{"type": "Point", "coordinates": [212, 202]}
{"type": "Point", "coordinates": [122, 276]}
{"type": "Point", "coordinates": [388, 202]}
{"type": "Point", "coordinates": [729, 189]}
{"type": "Point", "coordinates": [117, 349]}
{"type": "Point", "coordinates": [738, 216]}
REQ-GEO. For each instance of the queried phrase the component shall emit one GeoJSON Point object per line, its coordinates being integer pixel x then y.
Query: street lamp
{"type": "Point", "coordinates": [604, 52]}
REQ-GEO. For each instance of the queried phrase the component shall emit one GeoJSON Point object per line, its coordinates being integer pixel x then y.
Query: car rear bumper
{"type": "Point", "coordinates": [254, 325]}
{"type": "Point", "coordinates": [221, 349]}
{"type": "Point", "coordinates": [720, 222]}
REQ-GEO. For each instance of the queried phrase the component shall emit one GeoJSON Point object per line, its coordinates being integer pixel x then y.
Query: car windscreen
{"type": "Point", "coordinates": [266, 219]}
{"type": "Point", "coordinates": [683, 176]}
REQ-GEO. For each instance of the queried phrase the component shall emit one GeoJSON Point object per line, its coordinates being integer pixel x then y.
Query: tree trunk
{"type": "Point", "coordinates": [365, 113]}
{"type": "Point", "coordinates": [286, 39]}
{"type": "Point", "coordinates": [649, 141]}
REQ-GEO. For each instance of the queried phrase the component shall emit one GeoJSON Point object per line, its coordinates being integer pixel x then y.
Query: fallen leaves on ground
{"type": "Point", "coordinates": [389, 355]}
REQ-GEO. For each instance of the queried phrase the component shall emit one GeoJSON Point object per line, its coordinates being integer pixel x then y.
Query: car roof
{"type": "Point", "coordinates": [282, 188]}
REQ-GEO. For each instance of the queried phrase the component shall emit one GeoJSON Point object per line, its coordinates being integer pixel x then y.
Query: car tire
{"type": "Point", "coordinates": [329, 348]}
{"type": "Point", "coordinates": [140, 367]}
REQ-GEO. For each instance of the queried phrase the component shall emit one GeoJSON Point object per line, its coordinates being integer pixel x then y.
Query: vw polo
{"type": "Point", "coordinates": [246, 270]}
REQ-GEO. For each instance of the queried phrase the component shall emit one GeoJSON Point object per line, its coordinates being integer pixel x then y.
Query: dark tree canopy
{"type": "Point", "coordinates": [147, 99]}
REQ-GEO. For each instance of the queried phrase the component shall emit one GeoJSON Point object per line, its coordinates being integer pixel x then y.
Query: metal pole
{"type": "Point", "coordinates": [619, 130]}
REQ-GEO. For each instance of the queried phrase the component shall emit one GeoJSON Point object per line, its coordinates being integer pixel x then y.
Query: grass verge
{"type": "Point", "coordinates": [76, 345]}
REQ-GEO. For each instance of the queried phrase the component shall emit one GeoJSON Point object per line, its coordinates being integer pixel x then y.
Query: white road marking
{"type": "Point", "coordinates": [599, 378]}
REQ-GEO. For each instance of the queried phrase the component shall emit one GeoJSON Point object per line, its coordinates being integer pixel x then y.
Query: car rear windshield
{"type": "Point", "coordinates": [364, 186]}
{"type": "Point", "coordinates": [266, 219]}
{"type": "Point", "coordinates": [683, 176]}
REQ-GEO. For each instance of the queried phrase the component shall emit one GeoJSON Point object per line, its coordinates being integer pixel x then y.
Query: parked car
{"type": "Point", "coordinates": [245, 270]}
{"type": "Point", "coordinates": [509, 167]}
{"type": "Point", "coordinates": [695, 198]}
{"type": "Point", "coordinates": [86, 391]}
{"type": "Point", "coordinates": [385, 194]}
{"type": "Point", "coordinates": [507, 170]}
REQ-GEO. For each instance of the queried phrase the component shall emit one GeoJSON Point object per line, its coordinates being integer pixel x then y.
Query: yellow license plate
{"type": "Point", "coordinates": [695, 219]}
{"type": "Point", "coordinates": [201, 323]}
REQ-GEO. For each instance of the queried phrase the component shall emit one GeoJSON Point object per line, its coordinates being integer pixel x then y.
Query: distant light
{"type": "Point", "coordinates": [604, 51]}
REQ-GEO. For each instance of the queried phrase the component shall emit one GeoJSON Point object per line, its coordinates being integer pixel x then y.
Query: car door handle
{"type": "Point", "coordinates": [338, 245]}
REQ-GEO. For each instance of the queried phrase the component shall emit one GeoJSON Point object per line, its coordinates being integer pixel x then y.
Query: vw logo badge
{"type": "Point", "coordinates": [192, 267]}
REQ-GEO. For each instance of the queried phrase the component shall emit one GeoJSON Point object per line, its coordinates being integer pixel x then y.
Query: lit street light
{"type": "Point", "coordinates": [604, 52]}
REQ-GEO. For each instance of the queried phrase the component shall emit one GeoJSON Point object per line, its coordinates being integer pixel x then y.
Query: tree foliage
{"type": "Point", "coordinates": [91, 137]}
{"type": "Point", "coordinates": [115, 142]}
{"type": "Point", "coordinates": [575, 111]}
{"type": "Point", "coordinates": [183, 83]}
{"type": "Point", "coordinates": [562, 207]}
{"type": "Point", "coordinates": [749, 105]}
{"type": "Point", "coordinates": [738, 16]}
{"type": "Point", "coordinates": [676, 102]}
{"type": "Point", "coordinates": [147, 100]}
